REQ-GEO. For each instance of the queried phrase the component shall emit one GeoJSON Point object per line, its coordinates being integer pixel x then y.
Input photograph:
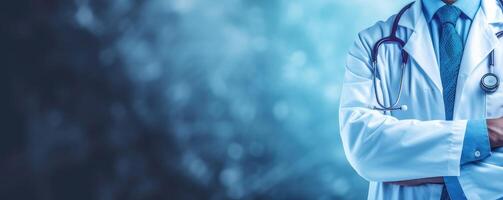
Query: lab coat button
{"type": "Point", "coordinates": [477, 154]}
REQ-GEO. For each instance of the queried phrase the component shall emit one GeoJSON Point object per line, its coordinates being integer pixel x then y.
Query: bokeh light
{"type": "Point", "coordinates": [178, 99]}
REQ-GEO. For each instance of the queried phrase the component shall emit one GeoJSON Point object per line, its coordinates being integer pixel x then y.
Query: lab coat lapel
{"type": "Point", "coordinates": [419, 45]}
{"type": "Point", "coordinates": [481, 41]}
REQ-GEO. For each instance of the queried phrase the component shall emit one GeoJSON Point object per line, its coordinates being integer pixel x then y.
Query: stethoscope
{"type": "Point", "coordinates": [489, 82]}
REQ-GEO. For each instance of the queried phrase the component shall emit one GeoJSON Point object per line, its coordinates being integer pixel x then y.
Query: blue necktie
{"type": "Point", "coordinates": [450, 52]}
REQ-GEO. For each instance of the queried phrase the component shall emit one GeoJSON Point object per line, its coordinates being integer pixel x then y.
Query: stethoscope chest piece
{"type": "Point", "coordinates": [490, 83]}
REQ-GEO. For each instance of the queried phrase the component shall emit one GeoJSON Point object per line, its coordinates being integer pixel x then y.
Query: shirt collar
{"type": "Point", "coordinates": [468, 7]}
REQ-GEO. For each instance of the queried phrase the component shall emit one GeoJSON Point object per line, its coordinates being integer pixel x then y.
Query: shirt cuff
{"type": "Point", "coordinates": [454, 188]}
{"type": "Point", "coordinates": [476, 144]}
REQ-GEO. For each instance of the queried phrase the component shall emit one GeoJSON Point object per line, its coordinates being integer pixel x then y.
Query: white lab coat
{"type": "Point", "coordinates": [419, 143]}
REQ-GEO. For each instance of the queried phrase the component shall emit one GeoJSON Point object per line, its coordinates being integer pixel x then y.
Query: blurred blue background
{"type": "Point", "coordinates": [177, 99]}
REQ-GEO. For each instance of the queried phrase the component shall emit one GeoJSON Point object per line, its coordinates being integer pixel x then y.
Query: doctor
{"type": "Point", "coordinates": [441, 139]}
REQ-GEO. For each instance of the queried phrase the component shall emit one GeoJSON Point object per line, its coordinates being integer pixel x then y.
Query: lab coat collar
{"type": "Point", "coordinates": [492, 10]}
{"type": "Point", "coordinates": [411, 16]}
{"type": "Point", "coordinates": [419, 45]}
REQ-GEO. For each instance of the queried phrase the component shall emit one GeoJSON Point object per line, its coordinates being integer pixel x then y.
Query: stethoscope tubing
{"type": "Point", "coordinates": [381, 104]}
{"type": "Point", "coordinates": [394, 39]}
{"type": "Point", "coordinates": [375, 51]}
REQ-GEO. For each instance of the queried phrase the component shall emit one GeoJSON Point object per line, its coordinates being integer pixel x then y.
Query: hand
{"type": "Point", "coordinates": [416, 182]}
{"type": "Point", "coordinates": [495, 128]}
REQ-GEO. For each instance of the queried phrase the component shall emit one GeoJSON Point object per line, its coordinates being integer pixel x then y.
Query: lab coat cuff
{"type": "Point", "coordinates": [456, 146]}
{"type": "Point", "coordinates": [454, 188]}
{"type": "Point", "coordinates": [476, 144]}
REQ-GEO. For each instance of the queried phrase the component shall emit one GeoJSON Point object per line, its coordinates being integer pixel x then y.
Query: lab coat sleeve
{"type": "Point", "coordinates": [383, 148]}
{"type": "Point", "coordinates": [476, 147]}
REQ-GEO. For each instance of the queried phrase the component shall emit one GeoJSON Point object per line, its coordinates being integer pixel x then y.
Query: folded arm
{"type": "Point", "coordinates": [476, 146]}
{"type": "Point", "coordinates": [383, 148]}
{"type": "Point", "coordinates": [477, 171]}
